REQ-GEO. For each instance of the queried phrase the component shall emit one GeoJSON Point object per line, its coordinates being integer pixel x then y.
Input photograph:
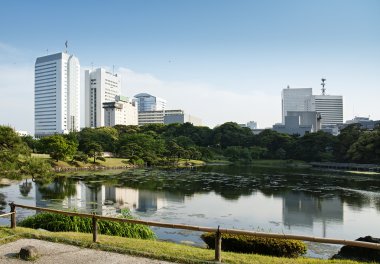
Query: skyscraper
{"type": "Point", "coordinates": [100, 87]}
{"type": "Point", "coordinates": [294, 99]}
{"type": "Point", "coordinates": [329, 106]}
{"type": "Point", "coordinates": [56, 94]}
{"type": "Point", "coordinates": [147, 102]}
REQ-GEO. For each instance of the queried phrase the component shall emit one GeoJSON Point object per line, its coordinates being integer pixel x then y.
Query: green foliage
{"type": "Point", "coordinates": [58, 147]}
{"type": "Point", "coordinates": [259, 245]}
{"type": "Point", "coordinates": [80, 156]}
{"type": "Point", "coordinates": [314, 147]}
{"type": "Point", "coordinates": [63, 223]}
{"type": "Point", "coordinates": [367, 148]}
{"type": "Point", "coordinates": [12, 152]}
{"type": "Point", "coordinates": [105, 136]}
{"type": "Point", "coordinates": [39, 169]}
{"type": "Point", "coordinates": [93, 149]}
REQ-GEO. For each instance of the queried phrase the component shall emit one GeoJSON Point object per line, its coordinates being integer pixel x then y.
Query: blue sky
{"type": "Point", "coordinates": [219, 60]}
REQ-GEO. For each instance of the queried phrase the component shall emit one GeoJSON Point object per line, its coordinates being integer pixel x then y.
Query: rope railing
{"type": "Point", "coordinates": [218, 231]}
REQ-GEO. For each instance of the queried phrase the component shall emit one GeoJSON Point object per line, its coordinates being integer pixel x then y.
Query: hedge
{"type": "Point", "coordinates": [259, 245]}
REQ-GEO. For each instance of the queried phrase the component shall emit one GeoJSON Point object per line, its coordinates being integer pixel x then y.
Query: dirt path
{"type": "Point", "coordinates": [56, 253]}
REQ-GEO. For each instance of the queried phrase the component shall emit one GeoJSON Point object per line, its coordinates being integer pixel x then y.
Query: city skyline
{"type": "Point", "coordinates": [218, 60]}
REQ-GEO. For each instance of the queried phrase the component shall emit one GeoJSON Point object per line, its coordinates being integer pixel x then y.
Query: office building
{"type": "Point", "coordinates": [167, 117]}
{"type": "Point", "coordinates": [294, 99]}
{"type": "Point", "coordinates": [100, 87]}
{"type": "Point", "coordinates": [56, 94]}
{"type": "Point", "coordinates": [299, 123]}
{"type": "Point", "coordinates": [180, 117]}
{"type": "Point", "coordinates": [329, 106]}
{"type": "Point", "coordinates": [147, 102]}
{"type": "Point", "coordinates": [252, 125]}
{"type": "Point", "coordinates": [121, 112]}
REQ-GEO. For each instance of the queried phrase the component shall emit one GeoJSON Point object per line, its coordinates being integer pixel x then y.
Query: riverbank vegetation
{"type": "Point", "coordinates": [181, 144]}
{"type": "Point", "coordinates": [63, 223]}
{"type": "Point", "coordinates": [168, 251]}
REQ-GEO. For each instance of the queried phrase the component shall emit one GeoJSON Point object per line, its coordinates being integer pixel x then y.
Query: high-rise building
{"type": "Point", "coordinates": [56, 94]}
{"type": "Point", "coordinates": [121, 112]}
{"type": "Point", "coordinates": [330, 107]}
{"type": "Point", "coordinates": [147, 102]}
{"type": "Point", "coordinates": [100, 87]}
{"type": "Point", "coordinates": [294, 99]}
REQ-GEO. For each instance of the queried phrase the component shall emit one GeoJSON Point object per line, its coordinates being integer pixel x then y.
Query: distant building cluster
{"type": "Point", "coordinates": [303, 112]}
{"type": "Point", "coordinates": [57, 99]}
{"type": "Point", "coordinates": [152, 110]}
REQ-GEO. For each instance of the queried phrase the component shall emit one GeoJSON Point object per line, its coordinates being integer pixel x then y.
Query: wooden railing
{"type": "Point", "coordinates": [218, 231]}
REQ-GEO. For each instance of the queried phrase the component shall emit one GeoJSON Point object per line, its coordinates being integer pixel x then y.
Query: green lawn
{"type": "Point", "coordinates": [109, 162]}
{"type": "Point", "coordinates": [153, 249]}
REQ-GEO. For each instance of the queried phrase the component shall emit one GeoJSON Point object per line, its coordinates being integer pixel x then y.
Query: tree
{"type": "Point", "coordinates": [272, 141]}
{"type": "Point", "coordinates": [58, 147]}
{"type": "Point", "coordinates": [38, 168]}
{"type": "Point", "coordinates": [367, 148]}
{"type": "Point", "coordinates": [347, 137]}
{"type": "Point", "coordinates": [104, 136]}
{"type": "Point", "coordinates": [314, 147]}
{"type": "Point", "coordinates": [231, 134]}
{"type": "Point", "coordinates": [174, 151]}
{"type": "Point", "coordinates": [94, 150]}
{"type": "Point", "coordinates": [12, 151]}
{"type": "Point", "coordinates": [31, 142]}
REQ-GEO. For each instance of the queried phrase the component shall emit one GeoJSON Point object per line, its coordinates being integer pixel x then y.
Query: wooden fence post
{"type": "Point", "coordinates": [218, 246]}
{"type": "Point", "coordinates": [94, 228]}
{"type": "Point", "coordinates": [13, 216]}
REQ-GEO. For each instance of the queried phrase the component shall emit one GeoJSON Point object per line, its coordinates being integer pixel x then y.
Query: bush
{"type": "Point", "coordinates": [62, 223]}
{"type": "Point", "coordinates": [260, 245]}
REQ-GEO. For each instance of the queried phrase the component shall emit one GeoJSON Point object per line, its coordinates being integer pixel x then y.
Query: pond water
{"type": "Point", "coordinates": [324, 204]}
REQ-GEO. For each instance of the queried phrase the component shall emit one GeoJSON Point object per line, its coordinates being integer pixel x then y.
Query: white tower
{"type": "Point", "coordinates": [56, 94]}
{"type": "Point", "coordinates": [100, 87]}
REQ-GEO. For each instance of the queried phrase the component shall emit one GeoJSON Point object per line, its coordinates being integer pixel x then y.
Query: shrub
{"type": "Point", "coordinates": [62, 223]}
{"type": "Point", "coordinates": [260, 245]}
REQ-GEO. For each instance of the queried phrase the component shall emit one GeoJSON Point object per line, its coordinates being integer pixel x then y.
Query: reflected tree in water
{"type": "Point", "coordinates": [3, 203]}
{"type": "Point", "coordinates": [25, 188]}
{"type": "Point", "coordinates": [59, 188]}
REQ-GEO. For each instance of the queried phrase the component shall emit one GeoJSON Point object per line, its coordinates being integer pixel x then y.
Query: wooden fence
{"type": "Point", "coordinates": [218, 231]}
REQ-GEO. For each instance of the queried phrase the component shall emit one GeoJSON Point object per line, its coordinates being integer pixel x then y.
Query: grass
{"type": "Point", "coordinates": [108, 163]}
{"type": "Point", "coordinates": [153, 249]}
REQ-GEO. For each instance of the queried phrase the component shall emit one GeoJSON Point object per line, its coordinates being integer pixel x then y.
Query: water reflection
{"type": "Point", "coordinates": [25, 188]}
{"type": "Point", "coordinates": [277, 200]}
{"type": "Point", "coordinates": [304, 210]}
{"type": "Point", "coordinates": [100, 198]}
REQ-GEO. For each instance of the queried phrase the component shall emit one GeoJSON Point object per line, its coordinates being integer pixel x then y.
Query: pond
{"type": "Point", "coordinates": [324, 204]}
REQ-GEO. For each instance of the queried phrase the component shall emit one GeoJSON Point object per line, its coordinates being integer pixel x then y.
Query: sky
{"type": "Point", "coordinates": [220, 60]}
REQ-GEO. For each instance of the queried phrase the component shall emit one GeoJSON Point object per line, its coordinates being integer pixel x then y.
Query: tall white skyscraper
{"type": "Point", "coordinates": [294, 99]}
{"type": "Point", "coordinates": [147, 102]}
{"type": "Point", "coordinates": [56, 94]}
{"type": "Point", "coordinates": [329, 106]}
{"type": "Point", "coordinates": [100, 87]}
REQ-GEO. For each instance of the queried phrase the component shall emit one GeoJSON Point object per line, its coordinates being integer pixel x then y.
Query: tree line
{"type": "Point", "coordinates": [157, 144]}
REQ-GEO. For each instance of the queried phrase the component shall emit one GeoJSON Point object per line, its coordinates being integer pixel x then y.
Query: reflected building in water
{"type": "Point", "coordinates": [300, 209]}
{"type": "Point", "coordinates": [104, 200]}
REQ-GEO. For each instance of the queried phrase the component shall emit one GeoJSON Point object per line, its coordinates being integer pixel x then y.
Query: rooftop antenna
{"type": "Point", "coordinates": [323, 86]}
{"type": "Point", "coordinates": [66, 44]}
